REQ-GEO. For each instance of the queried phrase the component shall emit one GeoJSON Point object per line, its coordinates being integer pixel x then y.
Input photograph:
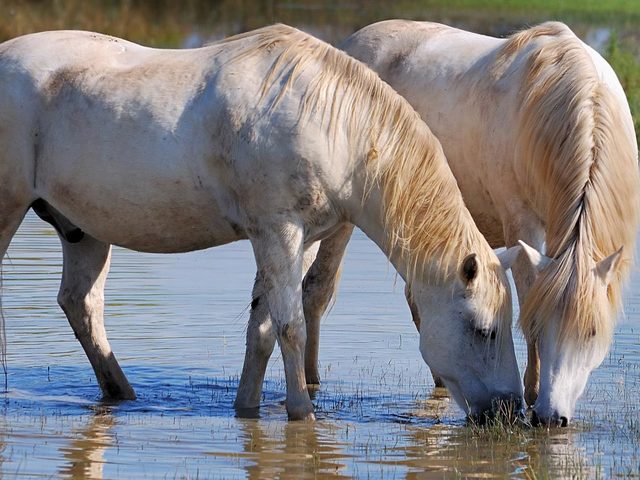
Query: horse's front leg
{"type": "Point", "coordinates": [81, 296]}
{"type": "Point", "coordinates": [525, 226]}
{"type": "Point", "coordinates": [279, 254]}
{"type": "Point", "coordinates": [318, 288]}
{"type": "Point", "coordinates": [261, 338]}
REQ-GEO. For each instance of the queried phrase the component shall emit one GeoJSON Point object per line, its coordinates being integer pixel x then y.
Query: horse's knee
{"type": "Point", "coordinates": [315, 301]}
{"type": "Point", "coordinates": [261, 337]}
{"type": "Point", "coordinates": [318, 290]}
{"type": "Point", "coordinates": [292, 335]}
{"type": "Point", "coordinates": [79, 309]}
{"type": "Point", "coordinates": [70, 299]}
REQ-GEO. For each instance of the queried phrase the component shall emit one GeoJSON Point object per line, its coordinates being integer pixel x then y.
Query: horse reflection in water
{"type": "Point", "coordinates": [85, 453]}
{"type": "Point", "coordinates": [271, 135]}
{"type": "Point", "coordinates": [291, 450]}
{"type": "Point", "coordinates": [446, 449]}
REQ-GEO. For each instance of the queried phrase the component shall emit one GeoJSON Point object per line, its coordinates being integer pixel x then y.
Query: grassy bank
{"type": "Point", "coordinates": [623, 58]}
{"type": "Point", "coordinates": [165, 22]}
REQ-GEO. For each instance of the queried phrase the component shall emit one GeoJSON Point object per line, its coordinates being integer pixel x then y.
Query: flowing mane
{"type": "Point", "coordinates": [424, 210]}
{"type": "Point", "coordinates": [581, 168]}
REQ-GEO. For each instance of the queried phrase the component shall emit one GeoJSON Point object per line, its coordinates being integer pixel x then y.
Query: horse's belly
{"type": "Point", "coordinates": [175, 224]}
{"type": "Point", "coordinates": [164, 237]}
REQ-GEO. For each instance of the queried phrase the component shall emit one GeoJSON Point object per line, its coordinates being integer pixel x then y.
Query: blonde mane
{"type": "Point", "coordinates": [423, 208]}
{"type": "Point", "coordinates": [581, 168]}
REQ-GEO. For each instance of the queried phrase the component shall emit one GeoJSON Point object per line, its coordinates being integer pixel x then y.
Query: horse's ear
{"type": "Point", "coordinates": [537, 260]}
{"type": "Point", "coordinates": [509, 256]}
{"type": "Point", "coordinates": [606, 267]}
{"type": "Point", "coordinates": [469, 268]}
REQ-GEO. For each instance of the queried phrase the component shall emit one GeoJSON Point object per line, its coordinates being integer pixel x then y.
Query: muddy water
{"type": "Point", "coordinates": [177, 324]}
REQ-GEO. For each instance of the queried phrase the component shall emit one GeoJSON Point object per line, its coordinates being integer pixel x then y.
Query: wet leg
{"type": "Point", "coordinates": [279, 255]}
{"type": "Point", "coordinates": [81, 296]}
{"type": "Point", "coordinates": [261, 338]}
{"type": "Point", "coordinates": [319, 287]}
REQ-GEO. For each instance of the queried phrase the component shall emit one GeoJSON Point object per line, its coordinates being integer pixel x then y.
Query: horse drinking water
{"type": "Point", "coordinates": [538, 133]}
{"type": "Point", "coordinates": [273, 136]}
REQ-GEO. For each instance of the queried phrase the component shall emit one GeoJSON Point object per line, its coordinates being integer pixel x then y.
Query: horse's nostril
{"type": "Point", "coordinates": [564, 421]}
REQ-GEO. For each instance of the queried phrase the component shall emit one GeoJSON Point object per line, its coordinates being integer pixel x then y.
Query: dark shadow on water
{"type": "Point", "coordinates": [248, 413]}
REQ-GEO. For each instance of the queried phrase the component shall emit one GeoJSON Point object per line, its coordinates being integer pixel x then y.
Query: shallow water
{"type": "Point", "coordinates": [177, 325]}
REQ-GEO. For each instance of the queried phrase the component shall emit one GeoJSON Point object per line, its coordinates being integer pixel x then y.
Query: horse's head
{"type": "Point", "coordinates": [572, 330]}
{"type": "Point", "coordinates": [465, 334]}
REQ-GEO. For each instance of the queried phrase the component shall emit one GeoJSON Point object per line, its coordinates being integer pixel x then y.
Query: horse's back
{"type": "Point", "coordinates": [177, 139]}
{"type": "Point", "coordinates": [404, 50]}
{"type": "Point", "coordinates": [463, 82]}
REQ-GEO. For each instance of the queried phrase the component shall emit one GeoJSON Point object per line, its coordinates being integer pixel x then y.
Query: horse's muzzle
{"type": "Point", "coordinates": [506, 408]}
{"type": "Point", "coordinates": [554, 420]}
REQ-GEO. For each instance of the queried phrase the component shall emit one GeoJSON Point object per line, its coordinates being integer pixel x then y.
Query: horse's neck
{"type": "Point", "coordinates": [368, 216]}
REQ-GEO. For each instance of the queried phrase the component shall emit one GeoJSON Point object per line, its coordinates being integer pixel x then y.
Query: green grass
{"type": "Point", "coordinates": [582, 8]}
{"type": "Point", "coordinates": [626, 64]}
{"type": "Point", "coordinates": [167, 23]}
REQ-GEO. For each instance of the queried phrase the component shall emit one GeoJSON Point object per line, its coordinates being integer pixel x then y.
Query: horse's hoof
{"type": "Point", "coordinates": [302, 413]}
{"type": "Point", "coordinates": [313, 378]}
{"type": "Point", "coordinates": [118, 393]}
{"type": "Point", "coordinates": [309, 417]}
{"type": "Point", "coordinates": [247, 412]}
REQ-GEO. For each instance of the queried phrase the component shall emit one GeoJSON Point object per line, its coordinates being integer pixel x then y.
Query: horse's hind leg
{"type": "Point", "coordinates": [261, 338]}
{"type": "Point", "coordinates": [318, 288]}
{"type": "Point", "coordinates": [81, 296]}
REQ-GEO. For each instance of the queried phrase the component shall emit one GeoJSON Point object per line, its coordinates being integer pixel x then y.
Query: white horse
{"type": "Point", "coordinates": [538, 134]}
{"type": "Point", "coordinates": [273, 136]}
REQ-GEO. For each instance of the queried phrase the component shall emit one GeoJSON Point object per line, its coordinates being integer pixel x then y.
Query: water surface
{"type": "Point", "coordinates": [177, 324]}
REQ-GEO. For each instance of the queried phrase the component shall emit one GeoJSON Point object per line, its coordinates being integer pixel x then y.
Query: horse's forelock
{"type": "Point", "coordinates": [567, 292]}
